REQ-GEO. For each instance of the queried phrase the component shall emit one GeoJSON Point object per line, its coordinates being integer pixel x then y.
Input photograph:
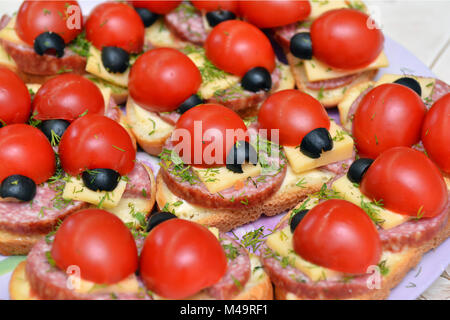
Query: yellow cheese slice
{"type": "Point", "coordinates": [317, 70]}
{"type": "Point", "coordinates": [129, 206]}
{"type": "Point", "coordinates": [218, 179]}
{"type": "Point", "coordinates": [346, 103]}
{"type": "Point", "coordinates": [6, 60]}
{"type": "Point", "coordinates": [33, 87]}
{"type": "Point", "coordinates": [350, 192]}
{"type": "Point", "coordinates": [318, 7]}
{"type": "Point", "coordinates": [211, 83]}
{"type": "Point", "coordinates": [214, 231]}
{"type": "Point", "coordinates": [9, 33]}
{"type": "Point", "coordinates": [76, 190]}
{"type": "Point", "coordinates": [127, 285]}
{"type": "Point", "coordinates": [287, 80]}
{"type": "Point", "coordinates": [157, 35]}
{"type": "Point", "coordinates": [342, 149]}
{"type": "Point", "coordinates": [426, 84]}
{"type": "Point", "coordinates": [95, 66]}
{"type": "Point", "coordinates": [148, 124]}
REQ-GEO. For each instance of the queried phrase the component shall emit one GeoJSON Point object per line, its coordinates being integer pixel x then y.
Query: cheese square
{"type": "Point", "coordinates": [351, 193]}
{"type": "Point", "coordinates": [8, 33]}
{"type": "Point", "coordinates": [426, 84]}
{"type": "Point", "coordinates": [95, 66]}
{"type": "Point", "coordinates": [218, 179]}
{"type": "Point", "coordinates": [318, 7]}
{"type": "Point", "coordinates": [127, 285]}
{"type": "Point", "coordinates": [76, 190]}
{"type": "Point", "coordinates": [342, 149]}
{"type": "Point", "coordinates": [148, 124]}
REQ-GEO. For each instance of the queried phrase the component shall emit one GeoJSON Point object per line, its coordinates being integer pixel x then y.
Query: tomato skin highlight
{"type": "Point", "coordinates": [269, 14]}
{"type": "Point", "coordinates": [338, 31]}
{"type": "Point", "coordinates": [407, 182]}
{"type": "Point", "coordinates": [294, 114]}
{"type": "Point", "coordinates": [115, 24]}
{"type": "Point", "coordinates": [170, 74]}
{"type": "Point", "coordinates": [96, 142]}
{"type": "Point", "coordinates": [26, 151]}
{"type": "Point", "coordinates": [390, 115]}
{"type": "Point", "coordinates": [15, 100]}
{"type": "Point", "coordinates": [98, 243]}
{"type": "Point", "coordinates": [156, 6]}
{"type": "Point", "coordinates": [36, 17]}
{"type": "Point", "coordinates": [236, 47]}
{"type": "Point", "coordinates": [436, 133]}
{"type": "Point", "coordinates": [338, 235]}
{"type": "Point", "coordinates": [67, 97]}
{"type": "Point", "coordinates": [212, 117]}
{"type": "Point", "coordinates": [180, 258]}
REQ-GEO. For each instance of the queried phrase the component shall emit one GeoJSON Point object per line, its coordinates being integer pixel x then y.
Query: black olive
{"type": "Point", "coordinates": [315, 142]}
{"type": "Point", "coordinates": [358, 169]}
{"type": "Point", "coordinates": [101, 179]}
{"type": "Point", "coordinates": [301, 46]}
{"type": "Point", "coordinates": [410, 83]}
{"type": "Point", "coordinates": [218, 16]}
{"type": "Point", "coordinates": [241, 152]}
{"type": "Point", "coordinates": [19, 187]}
{"type": "Point", "coordinates": [54, 127]}
{"type": "Point", "coordinates": [115, 60]}
{"type": "Point", "coordinates": [158, 218]}
{"type": "Point", "coordinates": [257, 79]}
{"type": "Point", "coordinates": [147, 17]}
{"type": "Point", "coordinates": [49, 41]}
{"type": "Point", "coordinates": [189, 103]}
{"type": "Point", "coordinates": [295, 220]}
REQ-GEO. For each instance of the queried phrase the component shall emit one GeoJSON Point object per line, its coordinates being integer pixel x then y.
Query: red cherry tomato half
{"type": "Point", "coordinates": [67, 97]}
{"type": "Point", "coordinates": [207, 5]}
{"type": "Point", "coordinates": [115, 24]}
{"type": "Point", "coordinates": [61, 17]}
{"type": "Point", "coordinates": [162, 79]}
{"type": "Point", "coordinates": [436, 133]}
{"type": "Point", "coordinates": [338, 235]}
{"type": "Point", "coordinates": [407, 182]}
{"type": "Point", "coordinates": [236, 47]}
{"type": "Point", "coordinates": [388, 116]}
{"type": "Point", "coordinates": [15, 100]}
{"type": "Point", "coordinates": [180, 258]}
{"type": "Point", "coordinates": [338, 31]}
{"type": "Point", "coordinates": [269, 14]}
{"type": "Point", "coordinates": [96, 142]}
{"type": "Point", "coordinates": [97, 242]}
{"type": "Point", "coordinates": [220, 128]}
{"type": "Point", "coordinates": [26, 151]}
{"type": "Point", "coordinates": [155, 6]}
{"type": "Point", "coordinates": [294, 114]}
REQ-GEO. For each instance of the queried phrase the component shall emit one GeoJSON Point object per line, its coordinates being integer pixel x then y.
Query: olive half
{"type": "Point", "coordinates": [358, 169]}
{"type": "Point", "coordinates": [301, 46]}
{"type": "Point", "coordinates": [101, 179]}
{"type": "Point", "coordinates": [410, 83]}
{"type": "Point", "coordinates": [241, 152]}
{"type": "Point", "coordinates": [257, 79]}
{"type": "Point", "coordinates": [315, 142]}
{"type": "Point", "coordinates": [19, 187]}
{"type": "Point", "coordinates": [115, 60]}
{"type": "Point", "coordinates": [218, 16]}
{"type": "Point", "coordinates": [295, 220]}
{"type": "Point", "coordinates": [52, 128]}
{"type": "Point", "coordinates": [148, 18]}
{"type": "Point", "coordinates": [49, 42]}
{"type": "Point", "coordinates": [189, 103]}
{"type": "Point", "coordinates": [158, 218]}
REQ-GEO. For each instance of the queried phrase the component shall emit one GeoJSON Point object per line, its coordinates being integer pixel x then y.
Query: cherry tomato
{"type": "Point", "coordinates": [99, 243]}
{"type": "Point", "coordinates": [338, 31]}
{"type": "Point", "coordinates": [15, 101]}
{"type": "Point", "coordinates": [96, 142]}
{"type": "Point", "coordinates": [338, 235]}
{"type": "Point", "coordinates": [220, 128]}
{"type": "Point", "coordinates": [115, 24]}
{"type": "Point", "coordinates": [294, 114]}
{"type": "Point", "coordinates": [211, 5]}
{"type": "Point", "coordinates": [36, 17]}
{"type": "Point", "coordinates": [269, 14]}
{"type": "Point", "coordinates": [436, 133]}
{"type": "Point", "coordinates": [236, 47]}
{"type": "Point", "coordinates": [26, 151]}
{"type": "Point", "coordinates": [180, 258]}
{"type": "Point", "coordinates": [407, 182]}
{"type": "Point", "coordinates": [162, 79]}
{"type": "Point", "coordinates": [388, 116]}
{"type": "Point", "coordinates": [155, 6]}
{"type": "Point", "coordinates": [67, 97]}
